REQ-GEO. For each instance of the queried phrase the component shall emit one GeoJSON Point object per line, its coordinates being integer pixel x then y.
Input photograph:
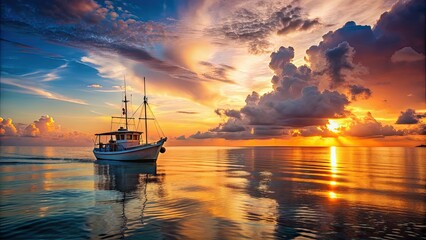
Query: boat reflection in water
{"type": "Point", "coordinates": [122, 196]}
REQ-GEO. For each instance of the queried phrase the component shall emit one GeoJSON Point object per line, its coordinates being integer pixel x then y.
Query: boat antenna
{"type": "Point", "coordinates": [125, 101]}
{"type": "Point", "coordinates": [145, 102]}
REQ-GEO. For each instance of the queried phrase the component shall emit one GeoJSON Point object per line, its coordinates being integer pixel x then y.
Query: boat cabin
{"type": "Point", "coordinates": [119, 140]}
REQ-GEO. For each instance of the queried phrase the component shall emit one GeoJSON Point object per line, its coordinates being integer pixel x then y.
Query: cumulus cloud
{"type": "Point", "coordinates": [294, 102]}
{"type": "Point", "coordinates": [289, 80]}
{"type": "Point", "coordinates": [311, 108]}
{"type": "Point", "coordinates": [43, 126]}
{"type": "Point", "coordinates": [43, 131]}
{"type": "Point", "coordinates": [388, 58]}
{"type": "Point", "coordinates": [339, 59]}
{"type": "Point", "coordinates": [410, 117]}
{"type": "Point", "coordinates": [31, 131]}
{"type": "Point", "coordinates": [399, 27]}
{"type": "Point", "coordinates": [407, 54]}
{"type": "Point", "coordinates": [370, 127]}
{"type": "Point", "coordinates": [7, 128]}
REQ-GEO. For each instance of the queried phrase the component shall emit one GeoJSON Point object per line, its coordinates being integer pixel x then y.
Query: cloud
{"type": "Point", "coordinates": [170, 79]}
{"type": "Point", "coordinates": [289, 80]}
{"type": "Point", "coordinates": [254, 28]}
{"type": "Point", "coordinates": [71, 11]}
{"type": "Point", "coordinates": [407, 54]}
{"type": "Point", "coordinates": [357, 91]}
{"type": "Point", "coordinates": [232, 125]}
{"type": "Point", "coordinates": [182, 137]}
{"type": "Point", "coordinates": [126, 39]}
{"type": "Point", "coordinates": [228, 113]}
{"type": "Point", "coordinates": [216, 72]}
{"type": "Point", "coordinates": [54, 74]}
{"type": "Point", "coordinates": [40, 92]}
{"type": "Point", "coordinates": [94, 86]}
{"type": "Point", "coordinates": [339, 59]}
{"type": "Point", "coordinates": [410, 117]}
{"type": "Point", "coordinates": [7, 128]}
{"type": "Point", "coordinates": [312, 108]}
{"type": "Point", "coordinates": [310, 131]}
{"type": "Point", "coordinates": [294, 102]}
{"type": "Point", "coordinates": [399, 27]}
{"type": "Point", "coordinates": [187, 112]}
{"type": "Point", "coordinates": [370, 127]}
{"type": "Point", "coordinates": [42, 132]}
{"type": "Point", "coordinates": [377, 58]}
{"type": "Point", "coordinates": [44, 126]}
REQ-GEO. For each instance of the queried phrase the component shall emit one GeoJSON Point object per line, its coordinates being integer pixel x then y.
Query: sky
{"type": "Point", "coordinates": [237, 72]}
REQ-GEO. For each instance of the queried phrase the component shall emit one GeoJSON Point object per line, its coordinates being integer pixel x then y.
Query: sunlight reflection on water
{"type": "Point", "coordinates": [216, 193]}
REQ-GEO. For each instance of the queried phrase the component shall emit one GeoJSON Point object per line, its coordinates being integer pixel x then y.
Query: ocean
{"type": "Point", "coordinates": [215, 193]}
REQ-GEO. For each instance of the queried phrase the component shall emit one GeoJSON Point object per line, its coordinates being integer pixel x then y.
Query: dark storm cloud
{"type": "Point", "coordinates": [357, 91]}
{"type": "Point", "coordinates": [254, 28]}
{"type": "Point", "coordinates": [396, 29]}
{"type": "Point", "coordinates": [338, 60]}
{"type": "Point", "coordinates": [388, 58]}
{"type": "Point", "coordinates": [402, 26]}
{"type": "Point", "coordinates": [410, 117]}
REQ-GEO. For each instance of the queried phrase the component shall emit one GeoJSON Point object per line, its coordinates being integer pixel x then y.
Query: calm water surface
{"type": "Point", "coordinates": [215, 193]}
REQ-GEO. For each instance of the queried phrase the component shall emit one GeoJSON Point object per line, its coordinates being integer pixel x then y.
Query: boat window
{"type": "Point", "coordinates": [129, 137]}
{"type": "Point", "coordinates": [135, 137]}
{"type": "Point", "coordinates": [121, 136]}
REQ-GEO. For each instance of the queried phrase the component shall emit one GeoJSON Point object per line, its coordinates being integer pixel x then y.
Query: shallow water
{"type": "Point", "coordinates": [215, 193]}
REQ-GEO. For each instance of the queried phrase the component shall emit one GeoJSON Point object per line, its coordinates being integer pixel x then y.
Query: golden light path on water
{"type": "Point", "coordinates": [215, 192]}
{"type": "Point", "coordinates": [333, 170]}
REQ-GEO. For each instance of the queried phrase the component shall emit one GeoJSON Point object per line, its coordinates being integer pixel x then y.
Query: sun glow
{"type": "Point", "coordinates": [333, 126]}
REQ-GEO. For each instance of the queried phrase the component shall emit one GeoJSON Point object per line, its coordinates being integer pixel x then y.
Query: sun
{"type": "Point", "coordinates": [333, 126]}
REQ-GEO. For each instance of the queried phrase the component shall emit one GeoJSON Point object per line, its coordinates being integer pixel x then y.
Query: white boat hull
{"type": "Point", "coordinates": [147, 152]}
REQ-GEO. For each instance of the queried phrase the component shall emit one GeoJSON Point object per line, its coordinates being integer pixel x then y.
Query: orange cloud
{"type": "Point", "coordinates": [7, 128]}
{"type": "Point", "coordinates": [42, 132]}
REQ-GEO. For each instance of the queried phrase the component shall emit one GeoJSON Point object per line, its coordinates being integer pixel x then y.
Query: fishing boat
{"type": "Point", "coordinates": [128, 145]}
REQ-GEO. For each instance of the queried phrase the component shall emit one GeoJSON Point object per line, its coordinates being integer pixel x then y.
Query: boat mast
{"type": "Point", "coordinates": [125, 102]}
{"type": "Point", "coordinates": [145, 102]}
